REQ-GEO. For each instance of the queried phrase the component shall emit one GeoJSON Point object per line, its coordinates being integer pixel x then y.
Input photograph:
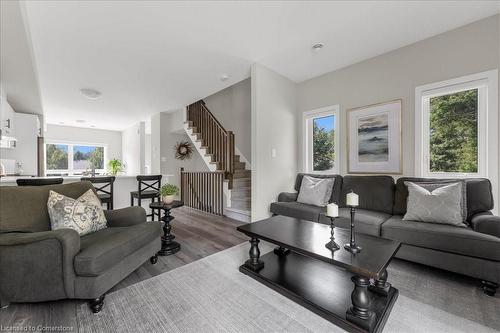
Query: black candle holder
{"type": "Point", "coordinates": [331, 245]}
{"type": "Point", "coordinates": [351, 246]}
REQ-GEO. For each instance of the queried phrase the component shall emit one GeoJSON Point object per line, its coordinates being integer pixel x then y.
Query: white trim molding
{"type": "Point", "coordinates": [307, 125]}
{"type": "Point", "coordinates": [488, 147]}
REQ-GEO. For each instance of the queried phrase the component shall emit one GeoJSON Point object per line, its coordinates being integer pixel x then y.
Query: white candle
{"type": "Point", "coordinates": [352, 199]}
{"type": "Point", "coordinates": [332, 210]}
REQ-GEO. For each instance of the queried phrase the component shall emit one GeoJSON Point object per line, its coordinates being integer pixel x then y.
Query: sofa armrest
{"type": "Point", "coordinates": [486, 223]}
{"type": "Point", "coordinates": [287, 197]}
{"type": "Point", "coordinates": [37, 266]}
{"type": "Point", "coordinates": [125, 217]}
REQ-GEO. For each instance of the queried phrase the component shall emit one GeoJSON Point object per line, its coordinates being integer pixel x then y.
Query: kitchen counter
{"type": "Point", "coordinates": [124, 184]}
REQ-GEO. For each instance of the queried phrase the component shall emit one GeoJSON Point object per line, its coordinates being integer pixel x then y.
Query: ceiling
{"type": "Point", "coordinates": [152, 56]}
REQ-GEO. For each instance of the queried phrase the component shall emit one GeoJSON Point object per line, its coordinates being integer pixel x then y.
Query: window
{"type": "Point", "coordinates": [73, 159]}
{"type": "Point", "coordinates": [321, 140]}
{"type": "Point", "coordinates": [452, 126]}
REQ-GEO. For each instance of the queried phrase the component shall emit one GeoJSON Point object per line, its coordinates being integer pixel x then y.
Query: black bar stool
{"type": "Point", "coordinates": [104, 192]}
{"type": "Point", "coordinates": [148, 188]}
{"type": "Point", "coordinates": [38, 181]}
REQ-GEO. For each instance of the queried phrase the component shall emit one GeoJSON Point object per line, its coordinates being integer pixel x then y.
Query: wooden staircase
{"type": "Point", "coordinates": [216, 145]}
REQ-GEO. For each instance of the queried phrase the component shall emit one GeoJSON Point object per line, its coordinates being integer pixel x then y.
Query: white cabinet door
{"type": "Point", "coordinates": [7, 113]}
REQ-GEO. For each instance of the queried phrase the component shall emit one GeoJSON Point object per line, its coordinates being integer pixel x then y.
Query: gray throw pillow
{"type": "Point", "coordinates": [432, 185]}
{"type": "Point", "coordinates": [315, 191]}
{"type": "Point", "coordinates": [85, 214]}
{"type": "Point", "coordinates": [441, 205]}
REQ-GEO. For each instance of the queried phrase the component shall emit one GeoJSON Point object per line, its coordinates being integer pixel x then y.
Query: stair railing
{"type": "Point", "coordinates": [215, 138]}
{"type": "Point", "coordinates": [203, 191]}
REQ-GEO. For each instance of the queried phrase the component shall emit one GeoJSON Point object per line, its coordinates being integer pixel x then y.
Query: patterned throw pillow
{"type": "Point", "coordinates": [441, 205]}
{"type": "Point", "coordinates": [85, 214]}
{"type": "Point", "coordinates": [315, 191]}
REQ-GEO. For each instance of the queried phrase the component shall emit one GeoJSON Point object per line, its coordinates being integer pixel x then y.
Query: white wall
{"type": "Point", "coordinates": [232, 107]}
{"type": "Point", "coordinates": [133, 143]}
{"type": "Point", "coordinates": [111, 139]}
{"type": "Point", "coordinates": [467, 50]}
{"type": "Point", "coordinates": [274, 126]}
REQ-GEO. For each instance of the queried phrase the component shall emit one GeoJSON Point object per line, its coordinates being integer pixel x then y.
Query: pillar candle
{"type": "Point", "coordinates": [352, 199]}
{"type": "Point", "coordinates": [332, 210]}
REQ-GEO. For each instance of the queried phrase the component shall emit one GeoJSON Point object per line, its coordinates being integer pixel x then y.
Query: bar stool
{"type": "Point", "coordinates": [38, 181]}
{"type": "Point", "coordinates": [104, 192]}
{"type": "Point", "coordinates": [148, 188]}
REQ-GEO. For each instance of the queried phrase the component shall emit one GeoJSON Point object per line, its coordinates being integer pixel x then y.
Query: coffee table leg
{"type": "Point", "coordinates": [359, 313]}
{"type": "Point", "coordinates": [381, 286]}
{"type": "Point", "coordinates": [168, 246]}
{"type": "Point", "coordinates": [254, 263]}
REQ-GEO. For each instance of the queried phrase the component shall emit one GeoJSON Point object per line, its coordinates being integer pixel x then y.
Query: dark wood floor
{"type": "Point", "coordinates": [199, 234]}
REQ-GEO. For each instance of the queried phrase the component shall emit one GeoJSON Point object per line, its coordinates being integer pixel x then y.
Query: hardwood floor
{"type": "Point", "coordinates": [199, 234]}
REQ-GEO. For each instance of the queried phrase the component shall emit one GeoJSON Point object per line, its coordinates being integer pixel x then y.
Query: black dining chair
{"type": "Point", "coordinates": [104, 189]}
{"type": "Point", "coordinates": [148, 187]}
{"type": "Point", "coordinates": [38, 181]}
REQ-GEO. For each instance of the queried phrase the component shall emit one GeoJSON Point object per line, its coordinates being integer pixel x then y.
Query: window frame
{"type": "Point", "coordinates": [307, 127]}
{"type": "Point", "coordinates": [487, 85]}
{"type": "Point", "coordinates": [70, 171]}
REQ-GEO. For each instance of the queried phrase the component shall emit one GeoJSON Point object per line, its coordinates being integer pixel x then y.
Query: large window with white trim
{"type": "Point", "coordinates": [67, 159]}
{"type": "Point", "coordinates": [452, 127]}
{"type": "Point", "coordinates": [321, 140]}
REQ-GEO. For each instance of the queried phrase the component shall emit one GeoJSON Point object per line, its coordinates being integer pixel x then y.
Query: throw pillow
{"type": "Point", "coordinates": [441, 205]}
{"type": "Point", "coordinates": [85, 214]}
{"type": "Point", "coordinates": [431, 186]}
{"type": "Point", "coordinates": [315, 191]}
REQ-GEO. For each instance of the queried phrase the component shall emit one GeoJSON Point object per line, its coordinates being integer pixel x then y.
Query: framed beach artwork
{"type": "Point", "coordinates": [374, 138]}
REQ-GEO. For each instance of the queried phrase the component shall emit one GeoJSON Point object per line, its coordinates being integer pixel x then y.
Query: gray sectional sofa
{"type": "Point", "coordinates": [38, 264]}
{"type": "Point", "coordinates": [472, 251]}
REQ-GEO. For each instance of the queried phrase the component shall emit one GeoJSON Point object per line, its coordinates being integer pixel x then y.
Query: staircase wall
{"type": "Point", "coordinates": [232, 108]}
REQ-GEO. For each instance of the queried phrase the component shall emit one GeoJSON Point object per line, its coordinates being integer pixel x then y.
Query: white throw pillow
{"type": "Point", "coordinates": [85, 214]}
{"type": "Point", "coordinates": [442, 205]}
{"type": "Point", "coordinates": [315, 191]}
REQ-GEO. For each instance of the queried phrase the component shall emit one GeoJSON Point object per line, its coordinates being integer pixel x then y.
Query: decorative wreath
{"type": "Point", "coordinates": [183, 150]}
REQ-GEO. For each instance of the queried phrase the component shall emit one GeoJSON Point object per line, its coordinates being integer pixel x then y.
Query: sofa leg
{"type": "Point", "coordinates": [489, 288]}
{"type": "Point", "coordinates": [154, 259]}
{"type": "Point", "coordinates": [97, 304]}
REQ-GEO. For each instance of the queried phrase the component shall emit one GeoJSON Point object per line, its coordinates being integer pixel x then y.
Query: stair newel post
{"type": "Point", "coordinates": [182, 184]}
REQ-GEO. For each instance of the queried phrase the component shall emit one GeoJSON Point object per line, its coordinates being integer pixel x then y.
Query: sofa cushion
{"type": "Point", "coordinates": [365, 221]}
{"type": "Point", "coordinates": [103, 249]}
{"type": "Point", "coordinates": [442, 237]}
{"type": "Point", "coordinates": [16, 215]}
{"type": "Point", "coordinates": [375, 192]}
{"type": "Point", "coordinates": [316, 191]}
{"type": "Point", "coordinates": [297, 210]}
{"type": "Point", "coordinates": [479, 194]}
{"type": "Point", "coordinates": [337, 184]}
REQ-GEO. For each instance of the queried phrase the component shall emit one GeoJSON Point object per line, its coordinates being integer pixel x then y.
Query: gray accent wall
{"type": "Point", "coordinates": [232, 107]}
{"type": "Point", "coordinates": [470, 49]}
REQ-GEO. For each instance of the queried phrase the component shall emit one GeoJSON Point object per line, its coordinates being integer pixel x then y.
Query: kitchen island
{"type": "Point", "coordinates": [124, 184]}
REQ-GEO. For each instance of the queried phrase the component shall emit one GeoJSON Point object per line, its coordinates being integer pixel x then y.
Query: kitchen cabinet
{"type": "Point", "coordinates": [7, 118]}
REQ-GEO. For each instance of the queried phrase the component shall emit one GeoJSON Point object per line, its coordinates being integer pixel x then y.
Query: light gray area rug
{"type": "Point", "coordinates": [211, 295]}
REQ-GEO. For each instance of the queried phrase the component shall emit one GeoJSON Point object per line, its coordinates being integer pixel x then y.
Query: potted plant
{"type": "Point", "coordinates": [168, 192]}
{"type": "Point", "coordinates": [115, 166]}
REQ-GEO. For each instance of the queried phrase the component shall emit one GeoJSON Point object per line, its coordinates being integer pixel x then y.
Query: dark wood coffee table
{"type": "Point", "coordinates": [168, 245]}
{"type": "Point", "coordinates": [307, 272]}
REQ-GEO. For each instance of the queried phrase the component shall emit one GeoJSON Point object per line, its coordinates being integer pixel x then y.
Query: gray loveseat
{"type": "Point", "coordinates": [37, 264]}
{"type": "Point", "coordinates": [472, 251]}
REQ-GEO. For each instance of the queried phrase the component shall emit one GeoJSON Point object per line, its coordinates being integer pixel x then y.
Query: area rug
{"type": "Point", "coordinates": [211, 295]}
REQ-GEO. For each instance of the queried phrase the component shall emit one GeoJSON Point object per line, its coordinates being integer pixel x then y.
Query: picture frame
{"type": "Point", "coordinates": [374, 139]}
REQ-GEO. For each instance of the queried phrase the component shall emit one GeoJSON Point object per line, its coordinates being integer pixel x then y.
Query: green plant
{"type": "Point", "coordinates": [115, 166]}
{"type": "Point", "coordinates": [169, 189]}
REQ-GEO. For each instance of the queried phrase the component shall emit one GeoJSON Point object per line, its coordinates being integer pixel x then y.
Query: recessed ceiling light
{"type": "Point", "coordinates": [81, 121]}
{"type": "Point", "coordinates": [318, 46]}
{"type": "Point", "coordinates": [224, 77]}
{"type": "Point", "coordinates": [90, 93]}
